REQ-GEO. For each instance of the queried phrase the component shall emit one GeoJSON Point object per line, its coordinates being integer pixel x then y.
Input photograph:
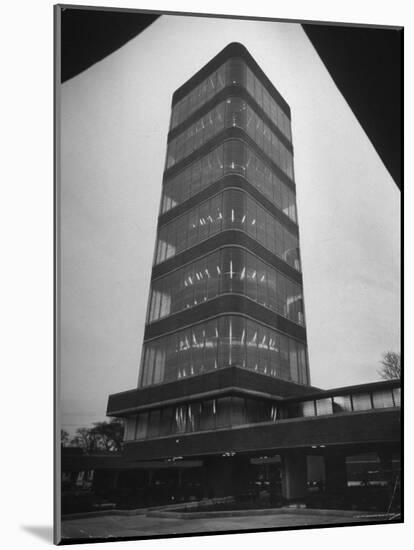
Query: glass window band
{"type": "Point", "coordinates": [233, 112]}
{"type": "Point", "coordinates": [229, 270]}
{"type": "Point", "coordinates": [230, 209]}
{"type": "Point", "coordinates": [236, 410]}
{"type": "Point", "coordinates": [231, 340]}
{"type": "Point", "coordinates": [232, 157]}
{"type": "Point", "coordinates": [233, 72]}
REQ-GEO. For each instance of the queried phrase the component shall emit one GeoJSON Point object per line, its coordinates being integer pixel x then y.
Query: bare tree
{"type": "Point", "coordinates": [109, 435]}
{"type": "Point", "coordinates": [103, 436]}
{"type": "Point", "coordinates": [85, 439]}
{"type": "Point", "coordinates": [390, 366]}
{"type": "Point", "coordinates": [64, 438]}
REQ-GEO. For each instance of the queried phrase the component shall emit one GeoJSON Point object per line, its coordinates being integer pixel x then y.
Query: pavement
{"type": "Point", "coordinates": [110, 526]}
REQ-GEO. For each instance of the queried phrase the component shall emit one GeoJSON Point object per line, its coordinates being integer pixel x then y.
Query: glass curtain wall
{"type": "Point", "coordinates": [231, 113]}
{"type": "Point", "coordinates": [361, 402]}
{"type": "Point", "coordinates": [222, 412]}
{"type": "Point", "coordinates": [351, 402]}
{"type": "Point", "coordinates": [230, 209]}
{"type": "Point", "coordinates": [382, 399]}
{"type": "Point", "coordinates": [232, 410]}
{"type": "Point", "coordinates": [396, 392]}
{"type": "Point", "coordinates": [262, 97]}
{"type": "Point", "coordinates": [232, 72]}
{"type": "Point", "coordinates": [230, 340]}
{"type": "Point", "coordinates": [229, 270]}
{"type": "Point", "coordinates": [232, 157]}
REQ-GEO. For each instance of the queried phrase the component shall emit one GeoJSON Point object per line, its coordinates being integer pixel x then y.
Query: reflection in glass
{"type": "Point", "coordinates": [307, 408]}
{"type": "Point", "coordinates": [361, 401]}
{"type": "Point", "coordinates": [142, 424]}
{"type": "Point", "coordinates": [222, 412]}
{"type": "Point", "coordinates": [230, 209]}
{"type": "Point", "coordinates": [397, 396]}
{"type": "Point", "coordinates": [130, 424]}
{"type": "Point", "coordinates": [232, 410]}
{"type": "Point", "coordinates": [324, 406]}
{"type": "Point", "coordinates": [230, 270]}
{"type": "Point", "coordinates": [342, 403]}
{"type": "Point", "coordinates": [382, 399]}
{"type": "Point", "coordinates": [234, 157]}
{"type": "Point", "coordinates": [234, 112]}
{"type": "Point", "coordinates": [201, 94]}
{"type": "Point", "coordinates": [262, 97]}
{"type": "Point", "coordinates": [232, 72]}
{"type": "Point", "coordinates": [228, 340]}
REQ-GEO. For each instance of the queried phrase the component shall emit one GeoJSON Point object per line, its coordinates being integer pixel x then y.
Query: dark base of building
{"type": "Point", "coordinates": [317, 478]}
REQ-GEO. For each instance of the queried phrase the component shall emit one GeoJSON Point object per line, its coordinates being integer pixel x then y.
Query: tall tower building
{"type": "Point", "coordinates": [226, 286]}
{"type": "Point", "coordinates": [225, 337]}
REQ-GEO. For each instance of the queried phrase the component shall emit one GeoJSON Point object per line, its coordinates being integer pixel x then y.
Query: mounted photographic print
{"type": "Point", "coordinates": [227, 274]}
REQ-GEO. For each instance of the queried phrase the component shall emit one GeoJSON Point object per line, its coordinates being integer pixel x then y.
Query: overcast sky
{"type": "Point", "coordinates": [115, 118]}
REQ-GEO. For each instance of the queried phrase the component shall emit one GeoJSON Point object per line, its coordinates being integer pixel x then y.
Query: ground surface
{"type": "Point", "coordinates": [141, 526]}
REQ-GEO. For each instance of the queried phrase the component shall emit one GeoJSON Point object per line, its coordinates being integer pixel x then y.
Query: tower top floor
{"type": "Point", "coordinates": [232, 50]}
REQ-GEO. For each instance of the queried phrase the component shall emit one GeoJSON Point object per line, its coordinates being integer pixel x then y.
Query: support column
{"type": "Point", "coordinates": [335, 473]}
{"type": "Point", "coordinates": [294, 475]}
{"type": "Point", "coordinates": [225, 476]}
{"type": "Point", "coordinates": [115, 480]}
{"type": "Point", "coordinates": [385, 458]}
{"type": "Point", "coordinates": [179, 490]}
{"type": "Point", "coordinates": [217, 477]}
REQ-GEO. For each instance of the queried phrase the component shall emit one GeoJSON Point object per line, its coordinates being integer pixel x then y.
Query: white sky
{"type": "Point", "coordinates": [115, 120]}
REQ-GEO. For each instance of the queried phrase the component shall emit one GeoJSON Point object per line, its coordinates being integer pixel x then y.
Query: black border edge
{"type": "Point", "coordinates": [57, 519]}
{"type": "Point", "coordinates": [234, 16]}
